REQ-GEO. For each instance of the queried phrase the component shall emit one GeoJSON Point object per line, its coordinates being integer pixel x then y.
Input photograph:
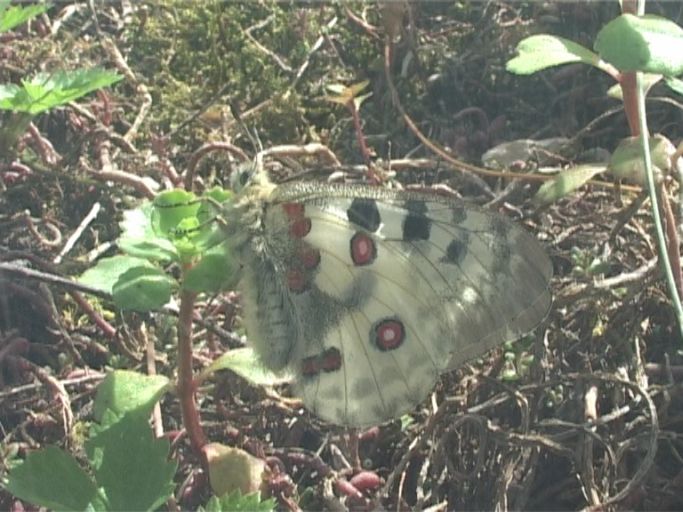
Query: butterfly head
{"type": "Point", "coordinates": [250, 181]}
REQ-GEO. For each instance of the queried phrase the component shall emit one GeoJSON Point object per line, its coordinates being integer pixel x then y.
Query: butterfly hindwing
{"type": "Point", "coordinates": [371, 293]}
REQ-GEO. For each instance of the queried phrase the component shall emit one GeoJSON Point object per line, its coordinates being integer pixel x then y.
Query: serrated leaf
{"type": "Point", "coordinates": [543, 51]}
{"type": "Point", "coordinates": [142, 288]}
{"type": "Point", "coordinates": [7, 92]}
{"type": "Point", "coordinates": [566, 182]}
{"type": "Point", "coordinates": [130, 464]}
{"type": "Point", "coordinates": [107, 271]}
{"type": "Point", "coordinates": [124, 391]}
{"type": "Point", "coordinates": [16, 15]}
{"type": "Point", "coordinates": [48, 90]}
{"type": "Point", "coordinates": [245, 363]}
{"type": "Point", "coordinates": [647, 43]}
{"type": "Point", "coordinates": [51, 478]}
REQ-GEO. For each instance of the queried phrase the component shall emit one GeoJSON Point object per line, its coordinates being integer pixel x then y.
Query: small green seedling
{"type": "Point", "coordinates": [176, 228]}
{"type": "Point", "coordinates": [128, 469]}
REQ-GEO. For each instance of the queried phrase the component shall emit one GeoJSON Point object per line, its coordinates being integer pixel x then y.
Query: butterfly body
{"type": "Point", "coordinates": [369, 294]}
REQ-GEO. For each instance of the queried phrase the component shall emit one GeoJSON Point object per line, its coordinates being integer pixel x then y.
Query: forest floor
{"type": "Point", "coordinates": [585, 413]}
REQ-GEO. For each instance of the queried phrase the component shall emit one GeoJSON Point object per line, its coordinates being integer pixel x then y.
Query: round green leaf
{"type": "Point", "coordinates": [245, 363]}
{"type": "Point", "coordinates": [124, 391]}
{"type": "Point", "coordinates": [171, 208]}
{"type": "Point", "coordinates": [215, 271]}
{"type": "Point", "coordinates": [543, 51]}
{"type": "Point", "coordinates": [107, 272]}
{"type": "Point", "coordinates": [627, 160]}
{"type": "Point", "coordinates": [142, 289]}
{"type": "Point", "coordinates": [642, 43]}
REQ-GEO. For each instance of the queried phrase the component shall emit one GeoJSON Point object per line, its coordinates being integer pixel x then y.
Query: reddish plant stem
{"type": "Point", "coordinates": [186, 384]}
{"type": "Point", "coordinates": [205, 150]}
{"type": "Point", "coordinates": [107, 329]}
{"type": "Point", "coordinates": [629, 91]}
{"type": "Point", "coordinates": [358, 128]}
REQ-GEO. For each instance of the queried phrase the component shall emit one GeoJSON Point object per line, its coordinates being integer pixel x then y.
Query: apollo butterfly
{"type": "Point", "coordinates": [367, 294]}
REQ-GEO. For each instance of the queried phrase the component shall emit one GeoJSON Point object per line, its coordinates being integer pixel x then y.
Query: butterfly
{"type": "Point", "coordinates": [368, 294]}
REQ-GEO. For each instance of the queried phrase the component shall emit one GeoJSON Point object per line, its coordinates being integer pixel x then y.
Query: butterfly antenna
{"type": "Point", "coordinates": [251, 135]}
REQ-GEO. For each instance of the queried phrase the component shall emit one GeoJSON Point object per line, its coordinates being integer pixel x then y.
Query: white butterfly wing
{"type": "Point", "coordinates": [369, 294]}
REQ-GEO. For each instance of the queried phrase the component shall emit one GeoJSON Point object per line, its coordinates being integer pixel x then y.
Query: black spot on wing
{"type": "Point", "coordinates": [459, 214]}
{"type": "Point", "coordinates": [455, 251]}
{"type": "Point", "coordinates": [364, 213]}
{"type": "Point", "coordinates": [417, 225]}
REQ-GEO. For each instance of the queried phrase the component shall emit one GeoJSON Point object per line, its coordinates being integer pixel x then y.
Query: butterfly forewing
{"type": "Point", "coordinates": [371, 293]}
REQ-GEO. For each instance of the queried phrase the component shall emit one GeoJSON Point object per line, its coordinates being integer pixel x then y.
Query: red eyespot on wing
{"type": "Point", "coordinates": [293, 210]}
{"type": "Point", "coordinates": [363, 249]}
{"type": "Point", "coordinates": [388, 334]}
{"type": "Point", "coordinates": [328, 361]}
{"type": "Point", "coordinates": [331, 360]}
{"type": "Point", "coordinates": [309, 257]}
{"type": "Point", "coordinates": [300, 227]}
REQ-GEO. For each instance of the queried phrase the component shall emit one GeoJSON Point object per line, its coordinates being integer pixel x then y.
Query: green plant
{"type": "Point", "coordinates": [15, 15]}
{"type": "Point", "coordinates": [44, 91]}
{"type": "Point", "coordinates": [178, 229]}
{"type": "Point", "coordinates": [637, 50]}
{"type": "Point", "coordinates": [130, 468]}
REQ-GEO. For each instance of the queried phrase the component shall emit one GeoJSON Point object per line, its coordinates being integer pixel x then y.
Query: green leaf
{"type": "Point", "coordinates": [51, 478]}
{"type": "Point", "coordinates": [543, 51]}
{"type": "Point", "coordinates": [107, 271]}
{"type": "Point", "coordinates": [214, 272]}
{"type": "Point", "coordinates": [627, 160]}
{"type": "Point", "coordinates": [7, 93]}
{"type": "Point", "coordinates": [647, 43]}
{"type": "Point", "coordinates": [566, 182]}
{"type": "Point", "coordinates": [246, 364]}
{"type": "Point", "coordinates": [142, 288]}
{"type": "Point", "coordinates": [171, 208]}
{"type": "Point", "coordinates": [124, 391]}
{"type": "Point", "coordinates": [48, 90]}
{"type": "Point", "coordinates": [138, 237]}
{"type": "Point", "coordinates": [219, 195]}
{"type": "Point", "coordinates": [16, 15]}
{"type": "Point", "coordinates": [189, 222]}
{"type": "Point", "coordinates": [130, 464]}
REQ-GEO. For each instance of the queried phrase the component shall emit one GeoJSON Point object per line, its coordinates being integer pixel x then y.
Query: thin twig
{"type": "Point", "coordinates": [92, 214]}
